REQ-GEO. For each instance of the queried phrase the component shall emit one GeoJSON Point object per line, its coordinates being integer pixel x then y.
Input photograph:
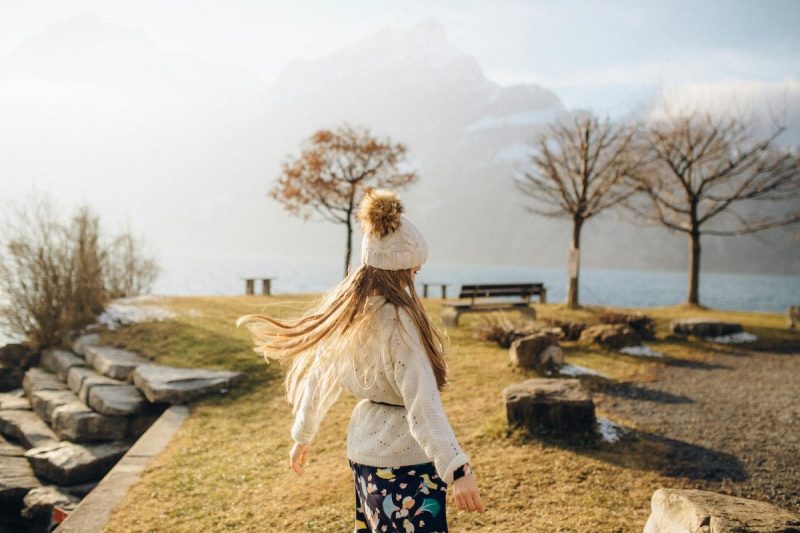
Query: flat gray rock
{"type": "Point", "coordinates": [701, 511]}
{"type": "Point", "coordinates": [114, 362]}
{"type": "Point", "coordinates": [26, 427]}
{"type": "Point", "coordinates": [39, 502]}
{"type": "Point", "coordinates": [44, 402]}
{"type": "Point", "coordinates": [16, 474]}
{"type": "Point", "coordinates": [60, 361]}
{"type": "Point", "coordinates": [66, 463]}
{"type": "Point", "coordinates": [81, 380]}
{"type": "Point", "coordinates": [80, 344]}
{"type": "Point", "coordinates": [161, 383]}
{"type": "Point", "coordinates": [702, 327]}
{"type": "Point", "coordinates": [77, 422]}
{"type": "Point", "coordinates": [117, 400]}
{"type": "Point", "coordinates": [37, 379]}
{"type": "Point", "coordinates": [14, 399]}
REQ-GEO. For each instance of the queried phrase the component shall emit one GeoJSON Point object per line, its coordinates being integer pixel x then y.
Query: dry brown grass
{"type": "Point", "coordinates": [227, 467]}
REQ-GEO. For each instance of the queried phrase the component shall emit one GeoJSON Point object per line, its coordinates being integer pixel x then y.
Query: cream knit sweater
{"type": "Point", "coordinates": [384, 435]}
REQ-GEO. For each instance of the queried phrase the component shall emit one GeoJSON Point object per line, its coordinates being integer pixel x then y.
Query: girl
{"type": "Point", "coordinates": [371, 336]}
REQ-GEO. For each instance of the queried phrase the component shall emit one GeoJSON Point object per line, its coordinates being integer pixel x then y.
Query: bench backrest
{"type": "Point", "coordinates": [498, 290]}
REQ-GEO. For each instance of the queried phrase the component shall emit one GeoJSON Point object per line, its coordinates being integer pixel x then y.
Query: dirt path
{"type": "Point", "coordinates": [732, 422]}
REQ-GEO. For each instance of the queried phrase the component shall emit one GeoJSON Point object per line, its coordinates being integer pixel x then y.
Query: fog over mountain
{"type": "Point", "coordinates": [185, 150]}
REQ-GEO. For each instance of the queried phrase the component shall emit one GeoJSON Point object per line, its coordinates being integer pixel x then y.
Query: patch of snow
{"type": "Point", "coordinates": [609, 431]}
{"type": "Point", "coordinates": [642, 351]}
{"type": "Point", "coordinates": [577, 370]}
{"type": "Point", "coordinates": [130, 310]}
{"type": "Point", "coordinates": [733, 338]}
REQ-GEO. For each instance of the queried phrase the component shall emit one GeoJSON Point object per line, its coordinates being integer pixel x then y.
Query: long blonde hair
{"type": "Point", "coordinates": [330, 333]}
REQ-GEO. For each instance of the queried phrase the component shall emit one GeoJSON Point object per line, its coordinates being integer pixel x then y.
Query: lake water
{"type": "Point", "coordinates": [223, 275]}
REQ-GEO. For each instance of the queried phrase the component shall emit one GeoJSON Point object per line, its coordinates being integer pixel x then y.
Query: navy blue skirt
{"type": "Point", "coordinates": [399, 498]}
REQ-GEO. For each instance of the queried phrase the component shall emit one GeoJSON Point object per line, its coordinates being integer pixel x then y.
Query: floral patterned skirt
{"type": "Point", "coordinates": [399, 498]}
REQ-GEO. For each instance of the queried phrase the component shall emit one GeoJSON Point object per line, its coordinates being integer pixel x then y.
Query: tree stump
{"type": "Point", "coordinates": [555, 407]}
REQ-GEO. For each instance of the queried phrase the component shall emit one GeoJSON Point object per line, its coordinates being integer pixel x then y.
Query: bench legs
{"type": "Point", "coordinates": [450, 317]}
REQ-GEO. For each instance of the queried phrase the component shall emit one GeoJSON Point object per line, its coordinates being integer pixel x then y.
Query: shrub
{"type": "Point", "coordinates": [570, 331]}
{"type": "Point", "coordinates": [496, 327]}
{"type": "Point", "coordinates": [57, 277]}
{"type": "Point", "coordinates": [639, 322]}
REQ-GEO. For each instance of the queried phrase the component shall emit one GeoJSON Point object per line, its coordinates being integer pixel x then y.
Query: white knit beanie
{"type": "Point", "coordinates": [391, 241]}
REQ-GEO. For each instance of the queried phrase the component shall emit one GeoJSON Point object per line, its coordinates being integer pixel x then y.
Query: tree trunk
{"type": "Point", "coordinates": [573, 273]}
{"type": "Point", "coordinates": [349, 251]}
{"type": "Point", "coordinates": [694, 268]}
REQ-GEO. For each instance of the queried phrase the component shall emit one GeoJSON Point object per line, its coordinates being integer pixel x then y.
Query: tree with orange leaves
{"type": "Point", "coordinates": [334, 170]}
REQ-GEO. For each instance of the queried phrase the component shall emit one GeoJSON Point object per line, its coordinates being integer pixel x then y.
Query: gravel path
{"type": "Point", "coordinates": [733, 422]}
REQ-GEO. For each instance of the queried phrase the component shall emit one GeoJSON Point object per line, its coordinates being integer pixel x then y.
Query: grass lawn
{"type": "Point", "coordinates": [227, 467]}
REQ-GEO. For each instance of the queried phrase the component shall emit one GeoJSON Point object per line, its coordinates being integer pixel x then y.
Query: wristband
{"type": "Point", "coordinates": [461, 471]}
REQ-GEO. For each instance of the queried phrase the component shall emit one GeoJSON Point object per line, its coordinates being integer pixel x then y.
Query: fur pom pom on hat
{"type": "Point", "coordinates": [391, 241]}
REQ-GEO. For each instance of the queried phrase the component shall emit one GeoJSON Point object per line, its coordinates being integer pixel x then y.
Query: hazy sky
{"type": "Point", "coordinates": [606, 55]}
{"type": "Point", "coordinates": [172, 116]}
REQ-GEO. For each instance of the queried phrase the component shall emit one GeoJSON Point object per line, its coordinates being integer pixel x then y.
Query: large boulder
{"type": "Point", "coordinates": [539, 351]}
{"type": "Point", "coordinates": [77, 422]}
{"type": "Point", "coordinates": [65, 463]}
{"type": "Point", "coordinates": [37, 379]}
{"type": "Point", "coordinates": [39, 502]}
{"type": "Point", "coordinates": [702, 327]}
{"type": "Point", "coordinates": [16, 475]}
{"type": "Point", "coordinates": [80, 344]}
{"type": "Point", "coordinates": [60, 361]}
{"type": "Point", "coordinates": [81, 380]}
{"type": "Point", "coordinates": [18, 354]}
{"type": "Point", "coordinates": [701, 511]}
{"type": "Point", "coordinates": [26, 427]}
{"type": "Point", "coordinates": [161, 383]}
{"type": "Point", "coordinates": [115, 363]}
{"type": "Point", "coordinates": [117, 400]}
{"type": "Point", "coordinates": [14, 399]}
{"type": "Point", "coordinates": [545, 406]}
{"type": "Point", "coordinates": [44, 402]}
{"type": "Point", "coordinates": [10, 377]}
{"type": "Point", "coordinates": [609, 336]}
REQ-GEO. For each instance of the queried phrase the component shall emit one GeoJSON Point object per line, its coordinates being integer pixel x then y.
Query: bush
{"type": "Point", "coordinates": [496, 327]}
{"type": "Point", "coordinates": [639, 322]}
{"type": "Point", "coordinates": [57, 277]}
{"type": "Point", "coordinates": [570, 331]}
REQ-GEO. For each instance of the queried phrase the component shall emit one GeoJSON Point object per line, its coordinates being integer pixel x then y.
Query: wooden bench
{"type": "Point", "coordinates": [478, 298]}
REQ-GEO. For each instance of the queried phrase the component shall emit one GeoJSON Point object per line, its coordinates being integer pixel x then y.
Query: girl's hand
{"type": "Point", "coordinates": [298, 457]}
{"type": "Point", "coordinates": [465, 491]}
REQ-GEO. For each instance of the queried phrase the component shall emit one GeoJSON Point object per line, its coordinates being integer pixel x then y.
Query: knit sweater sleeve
{"type": "Point", "coordinates": [426, 417]}
{"type": "Point", "coordinates": [312, 409]}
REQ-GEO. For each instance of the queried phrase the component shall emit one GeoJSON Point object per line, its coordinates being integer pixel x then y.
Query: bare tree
{"type": "Point", "coordinates": [128, 270]}
{"type": "Point", "coordinates": [700, 166]}
{"type": "Point", "coordinates": [334, 170]}
{"type": "Point", "coordinates": [577, 171]}
{"type": "Point", "coordinates": [57, 277]}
